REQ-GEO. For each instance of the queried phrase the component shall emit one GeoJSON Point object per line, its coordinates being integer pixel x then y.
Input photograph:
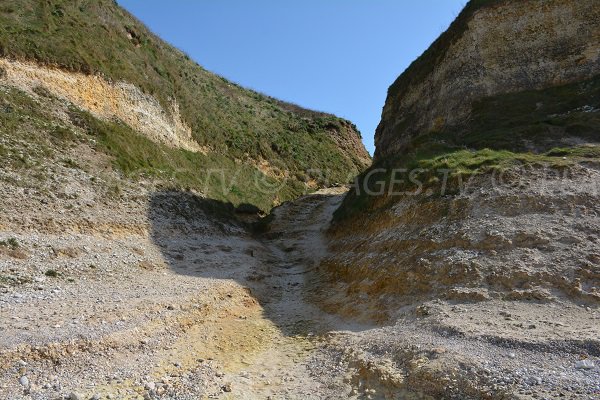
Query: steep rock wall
{"type": "Point", "coordinates": [493, 47]}
{"type": "Point", "coordinates": [527, 234]}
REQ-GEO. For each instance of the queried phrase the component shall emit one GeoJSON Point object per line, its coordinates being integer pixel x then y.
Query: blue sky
{"type": "Point", "coordinates": [338, 56]}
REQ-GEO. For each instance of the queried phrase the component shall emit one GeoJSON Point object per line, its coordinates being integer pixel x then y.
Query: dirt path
{"type": "Point", "coordinates": [292, 365]}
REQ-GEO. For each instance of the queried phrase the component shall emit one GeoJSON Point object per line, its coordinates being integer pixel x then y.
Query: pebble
{"type": "Point", "coordinates": [585, 364]}
{"type": "Point", "coordinates": [534, 380]}
{"type": "Point", "coordinates": [150, 386]}
{"type": "Point", "coordinates": [75, 396]}
{"type": "Point", "coordinates": [24, 381]}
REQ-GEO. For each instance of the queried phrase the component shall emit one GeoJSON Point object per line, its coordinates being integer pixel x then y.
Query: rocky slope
{"type": "Point", "coordinates": [153, 294]}
{"type": "Point", "coordinates": [482, 209]}
{"type": "Point", "coordinates": [95, 57]}
{"type": "Point", "coordinates": [471, 272]}
{"type": "Point", "coordinates": [165, 295]}
{"type": "Point", "coordinates": [501, 201]}
{"type": "Point", "coordinates": [530, 233]}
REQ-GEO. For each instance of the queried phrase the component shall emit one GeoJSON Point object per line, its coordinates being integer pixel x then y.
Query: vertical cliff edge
{"type": "Point", "coordinates": [475, 236]}
{"type": "Point", "coordinates": [494, 47]}
{"type": "Point", "coordinates": [485, 184]}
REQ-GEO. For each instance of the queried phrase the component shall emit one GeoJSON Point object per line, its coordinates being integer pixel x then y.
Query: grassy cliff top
{"type": "Point", "coordinates": [553, 128]}
{"type": "Point", "coordinates": [99, 37]}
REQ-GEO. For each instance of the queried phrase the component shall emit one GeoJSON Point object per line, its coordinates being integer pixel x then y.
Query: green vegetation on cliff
{"type": "Point", "coordinates": [100, 37]}
{"type": "Point", "coordinates": [32, 140]}
{"type": "Point", "coordinates": [554, 127]}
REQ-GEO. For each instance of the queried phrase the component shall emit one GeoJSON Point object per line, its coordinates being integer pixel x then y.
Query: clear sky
{"type": "Point", "coordinates": [338, 56]}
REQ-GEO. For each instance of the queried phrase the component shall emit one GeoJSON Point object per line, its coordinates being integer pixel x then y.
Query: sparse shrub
{"type": "Point", "coordinates": [58, 11]}
{"type": "Point", "coordinates": [14, 252]}
{"type": "Point", "coordinates": [12, 248]}
{"type": "Point", "coordinates": [62, 134]}
{"type": "Point", "coordinates": [42, 91]}
{"type": "Point", "coordinates": [10, 242]}
{"type": "Point", "coordinates": [7, 9]}
{"type": "Point", "coordinates": [114, 191]}
{"type": "Point", "coordinates": [70, 163]}
{"type": "Point", "coordinates": [52, 273]}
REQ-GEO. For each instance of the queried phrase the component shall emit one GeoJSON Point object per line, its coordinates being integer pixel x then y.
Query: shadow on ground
{"type": "Point", "coordinates": [206, 238]}
{"type": "Point", "coordinates": [198, 236]}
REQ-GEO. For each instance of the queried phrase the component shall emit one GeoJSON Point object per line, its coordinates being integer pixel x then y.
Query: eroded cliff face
{"type": "Point", "coordinates": [527, 234]}
{"type": "Point", "coordinates": [105, 100]}
{"type": "Point", "coordinates": [494, 47]}
{"type": "Point", "coordinates": [506, 103]}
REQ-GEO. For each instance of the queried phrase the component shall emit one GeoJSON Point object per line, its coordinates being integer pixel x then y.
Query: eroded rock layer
{"type": "Point", "coordinates": [494, 47]}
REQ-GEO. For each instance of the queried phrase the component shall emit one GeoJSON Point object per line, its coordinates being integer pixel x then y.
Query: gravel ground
{"type": "Point", "coordinates": [151, 296]}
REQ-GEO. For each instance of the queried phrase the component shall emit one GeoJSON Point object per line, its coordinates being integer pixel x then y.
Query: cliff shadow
{"type": "Point", "coordinates": [199, 236]}
{"type": "Point", "coordinates": [204, 238]}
